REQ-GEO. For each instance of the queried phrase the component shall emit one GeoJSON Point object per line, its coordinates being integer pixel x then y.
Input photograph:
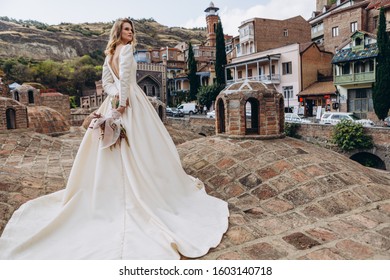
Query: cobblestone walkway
{"type": "Point", "coordinates": [288, 199]}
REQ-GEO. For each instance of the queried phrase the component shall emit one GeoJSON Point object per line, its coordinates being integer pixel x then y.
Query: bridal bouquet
{"type": "Point", "coordinates": [109, 126]}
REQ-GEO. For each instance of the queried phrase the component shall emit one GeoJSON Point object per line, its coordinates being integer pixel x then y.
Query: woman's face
{"type": "Point", "coordinates": [126, 33]}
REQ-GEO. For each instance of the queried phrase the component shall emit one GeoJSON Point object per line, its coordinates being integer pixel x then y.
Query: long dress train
{"type": "Point", "coordinates": [129, 202]}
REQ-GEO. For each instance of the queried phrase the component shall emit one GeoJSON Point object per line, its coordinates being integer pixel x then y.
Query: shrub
{"type": "Point", "coordinates": [348, 135]}
{"type": "Point", "coordinates": [291, 129]}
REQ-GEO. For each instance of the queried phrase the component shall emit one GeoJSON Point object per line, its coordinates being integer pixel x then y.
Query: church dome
{"type": "Point", "coordinates": [47, 120]}
{"type": "Point", "coordinates": [289, 199]}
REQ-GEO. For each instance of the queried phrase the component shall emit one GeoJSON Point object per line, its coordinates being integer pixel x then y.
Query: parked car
{"type": "Point", "coordinates": [211, 114]}
{"type": "Point", "coordinates": [294, 118]}
{"type": "Point", "coordinates": [188, 108]}
{"type": "Point", "coordinates": [387, 122]}
{"type": "Point", "coordinates": [174, 112]}
{"type": "Point", "coordinates": [335, 117]}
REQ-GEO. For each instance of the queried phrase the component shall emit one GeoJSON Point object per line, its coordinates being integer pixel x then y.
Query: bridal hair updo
{"type": "Point", "coordinates": [115, 35]}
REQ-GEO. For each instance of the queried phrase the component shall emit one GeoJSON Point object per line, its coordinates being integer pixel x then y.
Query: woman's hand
{"type": "Point", "coordinates": [121, 109]}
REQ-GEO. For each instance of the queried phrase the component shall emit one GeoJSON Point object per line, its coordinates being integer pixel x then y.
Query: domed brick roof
{"type": "Point", "coordinates": [289, 199]}
{"type": "Point", "coordinates": [47, 120]}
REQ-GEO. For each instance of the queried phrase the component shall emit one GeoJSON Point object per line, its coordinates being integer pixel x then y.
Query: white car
{"type": "Point", "coordinates": [335, 117]}
{"type": "Point", "coordinates": [294, 118]}
{"type": "Point", "coordinates": [211, 114]}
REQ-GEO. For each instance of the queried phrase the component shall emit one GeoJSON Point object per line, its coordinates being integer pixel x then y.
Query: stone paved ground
{"type": "Point", "coordinates": [288, 199]}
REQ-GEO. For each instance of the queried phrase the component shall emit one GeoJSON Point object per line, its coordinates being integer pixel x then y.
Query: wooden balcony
{"type": "Point", "coordinates": [355, 78]}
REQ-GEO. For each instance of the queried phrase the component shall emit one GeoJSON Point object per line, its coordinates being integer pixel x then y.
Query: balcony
{"type": "Point", "coordinates": [366, 77]}
{"type": "Point", "coordinates": [266, 79]}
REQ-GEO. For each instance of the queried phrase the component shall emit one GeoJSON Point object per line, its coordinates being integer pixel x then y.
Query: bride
{"type": "Point", "coordinates": [122, 201]}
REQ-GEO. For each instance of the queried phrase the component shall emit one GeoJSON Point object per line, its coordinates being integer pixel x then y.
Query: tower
{"type": "Point", "coordinates": [212, 21]}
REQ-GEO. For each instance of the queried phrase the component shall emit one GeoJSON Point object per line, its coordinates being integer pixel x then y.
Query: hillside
{"type": "Point", "coordinates": [39, 41]}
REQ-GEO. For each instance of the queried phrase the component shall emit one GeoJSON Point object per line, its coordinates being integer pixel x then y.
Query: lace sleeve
{"type": "Point", "coordinates": [125, 73]}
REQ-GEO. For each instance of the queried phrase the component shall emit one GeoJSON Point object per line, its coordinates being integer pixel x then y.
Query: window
{"type": "Point", "coordinates": [360, 100]}
{"type": "Point", "coordinates": [288, 92]}
{"type": "Point", "coordinates": [375, 21]}
{"type": "Point", "coordinates": [346, 69]}
{"type": "Point", "coordinates": [354, 26]}
{"type": "Point", "coordinates": [287, 69]}
{"type": "Point", "coordinates": [285, 32]}
{"type": "Point", "coordinates": [239, 74]}
{"type": "Point", "coordinates": [335, 31]}
{"type": "Point", "coordinates": [371, 64]}
{"type": "Point", "coordinates": [249, 72]}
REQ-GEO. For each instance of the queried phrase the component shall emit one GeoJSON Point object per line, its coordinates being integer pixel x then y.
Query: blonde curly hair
{"type": "Point", "coordinates": [115, 35]}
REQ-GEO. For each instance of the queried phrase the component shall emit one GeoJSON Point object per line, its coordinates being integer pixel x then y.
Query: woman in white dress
{"type": "Point", "coordinates": [122, 201]}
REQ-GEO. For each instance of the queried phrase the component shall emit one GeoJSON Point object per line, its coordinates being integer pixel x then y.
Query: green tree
{"type": "Point", "coordinates": [220, 54]}
{"type": "Point", "coordinates": [381, 91]}
{"type": "Point", "coordinates": [348, 135]}
{"type": "Point", "coordinates": [192, 69]}
{"type": "Point", "coordinates": [208, 94]}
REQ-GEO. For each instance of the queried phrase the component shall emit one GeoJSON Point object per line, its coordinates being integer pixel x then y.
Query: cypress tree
{"type": "Point", "coordinates": [220, 55]}
{"type": "Point", "coordinates": [381, 91]}
{"type": "Point", "coordinates": [192, 77]}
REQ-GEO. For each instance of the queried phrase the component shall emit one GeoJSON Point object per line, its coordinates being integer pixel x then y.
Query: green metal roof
{"type": "Point", "coordinates": [369, 51]}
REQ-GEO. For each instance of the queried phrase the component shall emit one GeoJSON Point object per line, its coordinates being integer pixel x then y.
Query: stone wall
{"type": "Point", "coordinates": [59, 103]}
{"type": "Point", "coordinates": [201, 126]}
{"type": "Point", "coordinates": [322, 135]}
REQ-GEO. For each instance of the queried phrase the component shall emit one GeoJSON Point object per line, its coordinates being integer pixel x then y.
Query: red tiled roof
{"type": "Point", "coordinates": [319, 88]}
{"type": "Point", "coordinates": [375, 4]}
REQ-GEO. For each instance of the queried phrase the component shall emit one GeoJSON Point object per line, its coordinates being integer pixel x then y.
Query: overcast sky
{"type": "Point", "coordinates": [183, 13]}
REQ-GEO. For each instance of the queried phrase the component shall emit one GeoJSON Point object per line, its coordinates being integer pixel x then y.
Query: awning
{"type": "Point", "coordinates": [319, 89]}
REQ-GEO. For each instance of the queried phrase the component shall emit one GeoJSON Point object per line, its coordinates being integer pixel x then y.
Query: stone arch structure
{"type": "Point", "coordinates": [264, 118]}
{"type": "Point", "coordinates": [13, 114]}
{"type": "Point", "coordinates": [369, 159]}
{"type": "Point", "coordinates": [27, 95]}
{"type": "Point", "coordinates": [159, 106]}
{"type": "Point", "coordinates": [11, 118]}
{"type": "Point", "coordinates": [151, 86]}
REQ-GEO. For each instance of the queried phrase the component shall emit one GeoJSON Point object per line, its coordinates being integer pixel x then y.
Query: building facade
{"type": "Point", "coordinates": [333, 24]}
{"type": "Point", "coordinates": [354, 68]}
{"type": "Point", "coordinates": [260, 34]}
{"type": "Point", "coordinates": [289, 69]}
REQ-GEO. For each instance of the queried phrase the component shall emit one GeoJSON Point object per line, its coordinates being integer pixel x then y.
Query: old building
{"type": "Point", "coordinates": [289, 69]}
{"type": "Point", "coordinates": [332, 24]}
{"type": "Point", "coordinates": [354, 67]}
{"type": "Point", "coordinates": [260, 34]}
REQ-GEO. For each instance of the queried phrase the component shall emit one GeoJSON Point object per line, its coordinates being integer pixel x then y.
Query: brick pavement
{"type": "Point", "coordinates": [287, 199]}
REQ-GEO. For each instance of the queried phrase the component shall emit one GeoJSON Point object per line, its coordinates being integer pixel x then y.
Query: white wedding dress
{"type": "Point", "coordinates": [129, 202]}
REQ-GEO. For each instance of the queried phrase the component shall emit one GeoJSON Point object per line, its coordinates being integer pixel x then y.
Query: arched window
{"type": "Point", "coordinates": [153, 91]}
{"type": "Point", "coordinates": [16, 95]}
{"type": "Point", "coordinates": [146, 90]}
{"type": "Point", "coordinates": [11, 118]}
{"type": "Point", "coordinates": [369, 160]}
{"type": "Point", "coordinates": [252, 116]}
{"type": "Point", "coordinates": [31, 97]}
{"type": "Point", "coordinates": [281, 115]}
{"type": "Point", "coordinates": [221, 117]}
{"type": "Point", "coordinates": [160, 112]}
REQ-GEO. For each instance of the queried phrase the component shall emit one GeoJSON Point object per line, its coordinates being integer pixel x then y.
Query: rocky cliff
{"type": "Point", "coordinates": [65, 41]}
